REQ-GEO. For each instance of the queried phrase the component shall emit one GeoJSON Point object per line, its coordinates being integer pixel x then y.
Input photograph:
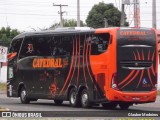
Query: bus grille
{"type": "Point", "coordinates": [136, 64]}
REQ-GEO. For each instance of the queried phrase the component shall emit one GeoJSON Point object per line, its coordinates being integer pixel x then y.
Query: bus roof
{"type": "Point", "coordinates": [73, 30]}
{"type": "Point", "coordinates": [55, 32]}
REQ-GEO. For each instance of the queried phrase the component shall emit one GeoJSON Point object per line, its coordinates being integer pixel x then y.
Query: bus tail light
{"type": "Point", "coordinates": [114, 81]}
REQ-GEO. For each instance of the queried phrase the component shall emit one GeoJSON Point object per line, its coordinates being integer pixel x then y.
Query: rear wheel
{"type": "Point", "coordinates": [58, 102]}
{"type": "Point", "coordinates": [73, 98]}
{"type": "Point", "coordinates": [23, 96]}
{"type": "Point", "coordinates": [85, 99]}
{"type": "Point", "coordinates": [110, 105]}
{"type": "Point", "coordinates": [124, 106]}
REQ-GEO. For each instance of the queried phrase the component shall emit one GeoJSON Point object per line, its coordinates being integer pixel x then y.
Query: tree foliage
{"type": "Point", "coordinates": [101, 11]}
{"type": "Point", "coordinates": [68, 23]}
{"type": "Point", "coordinates": [7, 34]}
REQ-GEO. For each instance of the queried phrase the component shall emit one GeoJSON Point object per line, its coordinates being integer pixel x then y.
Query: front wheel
{"type": "Point", "coordinates": [85, 99]}
{"type": "Point", "coordinates": [23, 96]}
{"type": "Point", "coordinates": [58, 102]}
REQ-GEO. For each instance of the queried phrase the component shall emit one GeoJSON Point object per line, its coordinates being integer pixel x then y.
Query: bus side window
{"type": "Point", "coordinates": [15, 45]}
{"type": "Point", "coordinates": [100, 43]}
{"type": "Point", "coordinates": [27, 48]}
{"type": "Point", "coordinates": [36, 46]}
{"type": "Point", "coordinates": [41, 45]}
{"type": "Point", "coordinates": [63, 46]}
{"type": "Point", "coordinates": [55, 46]}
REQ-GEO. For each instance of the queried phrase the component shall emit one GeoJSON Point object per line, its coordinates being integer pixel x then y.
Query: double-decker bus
{"type": "Point", "coordinates": [107, 66]}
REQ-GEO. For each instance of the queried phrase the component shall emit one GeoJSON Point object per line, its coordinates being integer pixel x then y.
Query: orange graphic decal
{"type": "Point", "coordinates": [53, 89]}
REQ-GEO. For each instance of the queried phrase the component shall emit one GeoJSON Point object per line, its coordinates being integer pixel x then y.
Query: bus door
{"type": "Point", "coordinates": [29, 76]}
{"type": "Point", "coordinates": [13, 76]}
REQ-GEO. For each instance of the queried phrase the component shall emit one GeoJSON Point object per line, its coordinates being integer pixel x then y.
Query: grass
{"type": "Point", "coordinates": [2, 86]}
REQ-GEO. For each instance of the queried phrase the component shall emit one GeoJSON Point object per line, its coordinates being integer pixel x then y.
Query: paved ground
{"type": "Point", "coordinates": [14, 104]}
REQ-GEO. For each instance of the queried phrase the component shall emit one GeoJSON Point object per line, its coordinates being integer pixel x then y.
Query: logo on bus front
{"type": "Point", "coordinates": [126, 33]}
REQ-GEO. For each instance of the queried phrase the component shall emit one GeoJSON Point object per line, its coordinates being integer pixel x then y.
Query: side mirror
{"type": "Point", "coordinates": [11, 55]}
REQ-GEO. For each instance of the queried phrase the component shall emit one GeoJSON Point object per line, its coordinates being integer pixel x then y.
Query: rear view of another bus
{"type": "Point", "coordinates": [137, 65]}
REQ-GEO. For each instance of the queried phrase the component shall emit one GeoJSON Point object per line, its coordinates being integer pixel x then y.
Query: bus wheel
{"type": "Point", "coordinates": [23, 96]}
{"type": "Point", "coordinates": [124, 106]}
{"type": "Point", "coordinates": [58, 102]}
{"type": "Point", "coordinates": [85, 99]}
{"type": "Point", "coordinates": [109, 105]}
{"type": "Point", "coordinates": [73, 97]}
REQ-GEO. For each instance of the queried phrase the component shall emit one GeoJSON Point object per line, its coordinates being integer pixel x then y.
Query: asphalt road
{"type": "Point", "coordinates": [14, 104]}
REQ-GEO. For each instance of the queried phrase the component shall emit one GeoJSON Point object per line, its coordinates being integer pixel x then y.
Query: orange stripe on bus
{"type": "Point", "coordinates": [149, 76]}
{"type": "Point", "coordinates": [149, 55]}
{"type": "Point", "coordinates": [74, 63]}
{"type": "Point", "coordinates": [131, 79]}
{"type": "Point", "coordinates": [123, 81]}
{"type": "Point", "coordinates": [153, 70]}
{"type": "Point", "coordinates": [142, 72]}
{"type": "Point", "coordinates": [70, 69]}
{"type": "Point", "coordinates": [84, 71]}
{"type": "Point", "coordinates": [78, 59]}
{"type": "Point", "coordinates": [135, 58]}
{"type": "Point", "coordinates": [142, 55]}
{"type": "Point", "coordinates": [139, 58]}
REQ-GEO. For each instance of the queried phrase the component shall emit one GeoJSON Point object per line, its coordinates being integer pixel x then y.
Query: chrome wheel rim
{"type": "Point", "coordinates": [84, 99]}
{"type": "Point", "coordinates": [73, 97]}
{"type": "Point", "coordinates": [23, 95]}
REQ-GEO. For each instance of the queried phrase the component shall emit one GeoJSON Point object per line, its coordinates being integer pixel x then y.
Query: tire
{"type": "Point", "coordinates": [73, 98]}
{"type": "Point", "coordinates": [124, 106]}
{"type": "Point", "coordinates": [33, 99]}
{"type": "Point", "coordinates": [23, 96]}
{"type": "Point", "coordinates": [58, 102]}
{"type": "Point", "coordinates": [110, 105]}
{"type": "Point", "coordinates": [85, 99]}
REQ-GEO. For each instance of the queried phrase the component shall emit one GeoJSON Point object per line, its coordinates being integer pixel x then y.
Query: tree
{"type": "Point", "coordinates": [7, 34]}
{"type": "Point", "coordinates": [103, 11]}
{"type": "Point", "coordinates": [68, 23]}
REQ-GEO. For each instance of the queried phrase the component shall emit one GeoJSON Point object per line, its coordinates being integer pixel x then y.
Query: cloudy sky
{"type": "Point", "coordinates": [26, 15]}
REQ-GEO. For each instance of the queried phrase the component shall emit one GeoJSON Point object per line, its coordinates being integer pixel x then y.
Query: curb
{"type": "Point", "coordinates": [4, 109]}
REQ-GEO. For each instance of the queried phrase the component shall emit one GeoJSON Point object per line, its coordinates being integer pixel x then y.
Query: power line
{"type": "Point", "coordinates": [34, 14]}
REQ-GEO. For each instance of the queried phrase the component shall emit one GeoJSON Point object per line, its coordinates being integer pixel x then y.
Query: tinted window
{"type": "Point", "coordinates": [36, 46]}
{"type": "Point", "coordinates": [99, 43]}
{"type": "Point", "coordinates": [46, 46]}
{"type": "Point", "coordinates": [62, 45]}
{"type": "Point", "coordinates": [15, 45]}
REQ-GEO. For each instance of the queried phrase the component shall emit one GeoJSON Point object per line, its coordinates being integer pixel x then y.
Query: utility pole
{"type": "Point", "coordinates": [154, 19]}
{"type": "Point", "coordinates": [136, 13]}
{"type": "Point", "coordinates": [122, 15]}
{"type": "Point", "coordinates": [78, 13]}
{"type": "Point", "coordinates": [105, 23]}
{"type": "Point", "coordinates": [124, 2]}
{"type": "Point", "coordinates": [61, 13]}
